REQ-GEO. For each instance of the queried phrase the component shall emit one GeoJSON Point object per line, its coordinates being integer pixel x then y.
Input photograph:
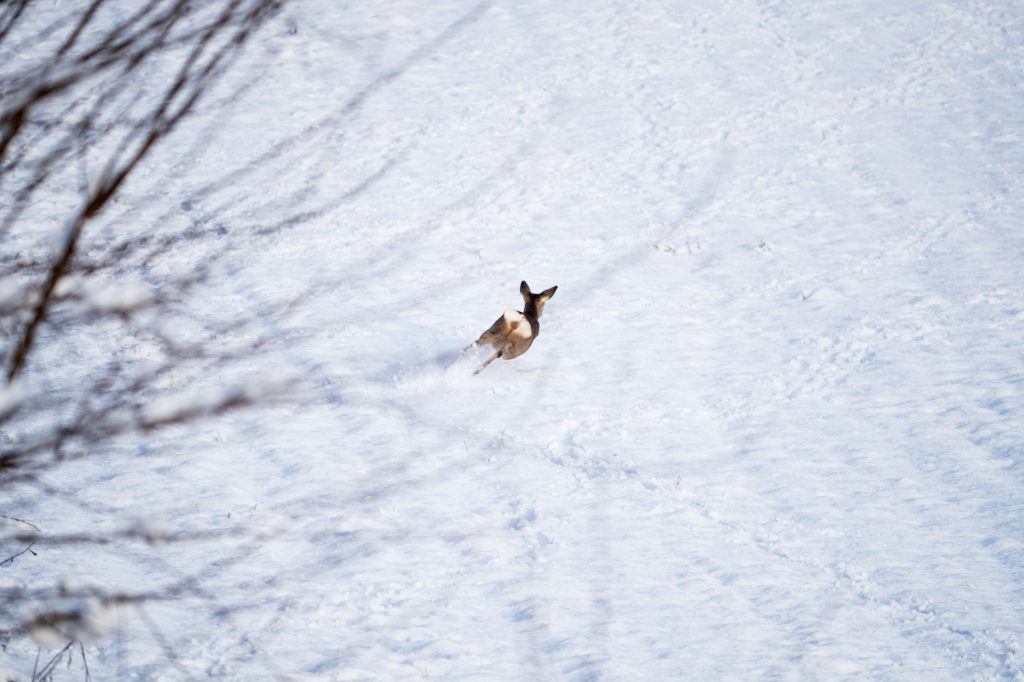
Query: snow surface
{"type": "Point", "coordinates": [771, 427]}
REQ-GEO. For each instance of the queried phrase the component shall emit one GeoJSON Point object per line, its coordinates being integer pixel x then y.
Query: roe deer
{"type": "Point", "coordinates": [512, 333]}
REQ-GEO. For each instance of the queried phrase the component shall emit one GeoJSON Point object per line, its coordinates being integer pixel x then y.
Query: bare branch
{"type": "Point", "coordinates": [79, 132]}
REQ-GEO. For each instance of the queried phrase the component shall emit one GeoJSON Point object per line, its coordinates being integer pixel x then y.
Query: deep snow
{"type": "Point", "coordinates": [771, 426]}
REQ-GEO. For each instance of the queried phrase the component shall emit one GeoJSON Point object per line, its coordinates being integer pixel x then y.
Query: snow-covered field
{"type": "Point", "coordinates": [771, 428]}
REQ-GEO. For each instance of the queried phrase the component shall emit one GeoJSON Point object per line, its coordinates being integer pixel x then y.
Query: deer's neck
{"type": "Point", "coordinates": [530, 312]}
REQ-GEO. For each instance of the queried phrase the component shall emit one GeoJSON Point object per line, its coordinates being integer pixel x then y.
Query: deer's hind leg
{"type": "Point", "coordinates": [491, 335]}
{"type": "Point", "coordinates": [489, 361]}
{"type": "Point", "coordinates": [498, 332]}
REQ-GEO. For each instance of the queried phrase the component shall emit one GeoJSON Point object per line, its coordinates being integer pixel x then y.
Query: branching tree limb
{"type": "Point", "coordinates": [88, 98]}
{"type": "Point", "coordinates": [82, 101]}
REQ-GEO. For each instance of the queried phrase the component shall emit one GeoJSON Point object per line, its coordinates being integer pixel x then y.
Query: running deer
{"type": "Point", "coordinates": [512, 334]}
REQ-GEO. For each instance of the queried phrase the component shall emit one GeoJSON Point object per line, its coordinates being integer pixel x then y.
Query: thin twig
{"type": "Point", "coordinates": [10, 559]}
{"type": "Point", "coordinates": [30, 525]}
{"type": "Point", "coordinates": [85, 663]}
{"type": "Point", "coordinates": [47, 669]}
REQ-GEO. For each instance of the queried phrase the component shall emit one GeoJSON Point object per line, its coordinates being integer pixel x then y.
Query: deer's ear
{"type": "Point", "coordinates": [546, 294]}
{"type": "Point", "coordinates": [524, 289]}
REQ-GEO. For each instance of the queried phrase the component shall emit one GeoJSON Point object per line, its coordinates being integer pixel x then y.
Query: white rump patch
{"type": "Point", "coordinates": [522, 331]}
{"type": "Point", "coordinates": [513, 316]}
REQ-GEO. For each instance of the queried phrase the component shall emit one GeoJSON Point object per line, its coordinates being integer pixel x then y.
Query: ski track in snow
{"type": "Point", "coordinates": [770, 428]}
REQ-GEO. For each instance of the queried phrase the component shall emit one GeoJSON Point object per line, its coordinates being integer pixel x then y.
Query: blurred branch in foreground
{"type": "Point", "coordinates": [108, 342]}
{"type": "Point", "coordinates": [86, 96]}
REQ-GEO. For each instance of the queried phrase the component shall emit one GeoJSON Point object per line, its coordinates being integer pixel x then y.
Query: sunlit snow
{"type": "Point", "coordinates": [771, 427]}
